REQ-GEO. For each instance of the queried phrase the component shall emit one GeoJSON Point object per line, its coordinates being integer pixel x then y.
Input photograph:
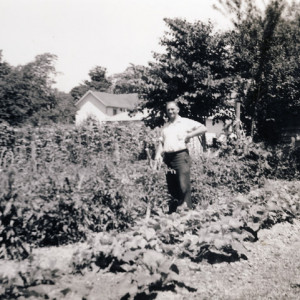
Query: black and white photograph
{"type": "Point", "coordinates": [150, 149]}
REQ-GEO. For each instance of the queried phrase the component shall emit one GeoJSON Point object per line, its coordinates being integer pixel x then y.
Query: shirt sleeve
{"type": "Point", "coordinates": [192, 125]}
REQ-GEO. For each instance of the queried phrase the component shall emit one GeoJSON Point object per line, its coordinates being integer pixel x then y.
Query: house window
{"type": "Point", "coordinates": [115, 111]}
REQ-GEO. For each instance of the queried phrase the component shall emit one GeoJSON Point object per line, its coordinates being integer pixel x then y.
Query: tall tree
{"type": "Point", "coordinates": [26, 90]}
{"type": "Point", "coordinates": [265, 45]}
{"type": "Point", "coordinates": [194, 70]}
{"type": "Point", "coordinates": [129, 81]}
{"type": "Point", "coordinates": [98, 82]}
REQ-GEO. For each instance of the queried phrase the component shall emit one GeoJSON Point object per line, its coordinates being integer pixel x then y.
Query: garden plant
{"type": "Point", "coordinates": [92, 187]}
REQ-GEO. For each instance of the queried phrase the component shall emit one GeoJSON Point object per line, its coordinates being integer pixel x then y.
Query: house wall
{"type": "Point", "coordinates": [110, 110]}
{"type": "Point", "coordinates": [217, 128]}
{"type": "Point", "coordinates": [90, 107]}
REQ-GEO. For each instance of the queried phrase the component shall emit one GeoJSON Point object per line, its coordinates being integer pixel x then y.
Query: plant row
{"type": "Point", "coordinates": [150, 252]}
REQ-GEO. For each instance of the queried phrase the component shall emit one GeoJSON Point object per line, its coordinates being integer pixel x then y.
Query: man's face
{"type": "Point", "coordinates": [172, 110]}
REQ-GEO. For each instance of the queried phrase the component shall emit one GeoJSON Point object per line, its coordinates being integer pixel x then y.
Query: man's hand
{"type": "Point", "coordinates": [187, 139]}
{"type": "Point", "coordinates": [157, 163]}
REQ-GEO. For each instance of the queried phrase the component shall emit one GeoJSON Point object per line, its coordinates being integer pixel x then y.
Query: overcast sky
{"type": "Point", "coordinates": [88, 33]}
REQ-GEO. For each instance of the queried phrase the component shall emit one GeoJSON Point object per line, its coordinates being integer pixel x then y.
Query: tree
{"type": "Point", "coordinates": [265, 48]}
{"type": "Point", "coordinates": [26, 90]}
{"type": "Point", "coordinates": [63, 112]}
{"type": "Point", "coordinates": [129, 81]}
{"type": "Point", "coordinates": [98, 82]}
{"type": "Point", "coordinates": [5, 68]}
{"type": "Point", "coordinates": [194, 70]}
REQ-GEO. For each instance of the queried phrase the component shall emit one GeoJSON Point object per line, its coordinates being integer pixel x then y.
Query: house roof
{"type": "Point", "coordinates": [128, 101]}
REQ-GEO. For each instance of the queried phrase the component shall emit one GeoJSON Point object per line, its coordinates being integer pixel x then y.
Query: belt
{"type": "Point", "coordinates": [176, 152]}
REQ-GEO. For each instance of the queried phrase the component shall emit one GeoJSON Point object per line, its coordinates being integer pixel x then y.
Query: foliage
{"type": "Point", "coordinates": [98, 82]}
{"type": "Point", "coordinates": [262, 160]}
{"type": "Point", "coordinates": [256, 63]}
{"type": "Point", "coordinates": [26, 90]}
{"type": "Point", "coordinates": [11, 224]}
{"type": "Point", "coordinates": [129, 81]}
{"type": "Point", "coordinates": [193, 70]}
{"type": "Point", "coordinates": [63, 113]}
{"type": "Point", "coordinates": [150, 251]}
{"type": "Point", "coordinates": [19, 280]}
{"type": "Point", "coordinates": [65, 183]}
{"type": "Point", "coordinates": [27, 96]}
{"type": "Point", "coordinates": [62, 185]}
{"type": "Point", "coordinates": [5, 68]}
{"type": "Point", "coordinates": [265, 51]}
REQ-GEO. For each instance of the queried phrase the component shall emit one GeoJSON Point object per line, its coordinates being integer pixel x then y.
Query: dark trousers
{"type": "Point", "coordinates": [178, 178]}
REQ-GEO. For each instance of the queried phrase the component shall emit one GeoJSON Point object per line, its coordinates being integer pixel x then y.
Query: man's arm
{"type": "Point", "coordinates": [159, 151]}
{"type": "Point", "coordinates": [195, 132]}
{"type": "Point", "coordinates": [158, 156]}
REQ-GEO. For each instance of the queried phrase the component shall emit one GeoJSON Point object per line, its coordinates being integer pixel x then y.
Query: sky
{"type": "Point", "coordinates": [88, 33]}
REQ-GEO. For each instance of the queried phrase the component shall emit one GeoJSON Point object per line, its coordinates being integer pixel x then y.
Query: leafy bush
{"type": "Point", "coordinates": [263, 160]}
{"type": "Point", "coordinates": [11, 224]}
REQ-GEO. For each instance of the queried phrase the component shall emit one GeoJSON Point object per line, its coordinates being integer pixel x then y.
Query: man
{"type": "Point", "coordinates": [173, 145]}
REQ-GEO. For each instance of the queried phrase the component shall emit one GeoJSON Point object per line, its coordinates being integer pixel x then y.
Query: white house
{"type": "Point", "coordinates": [213, 129]}
{"type": "Point", "coordinates": [127, 117]}
{"type": "Point", "coordinates": [216, 128]}
{"type": "Point", "coordinates": [103, 106]}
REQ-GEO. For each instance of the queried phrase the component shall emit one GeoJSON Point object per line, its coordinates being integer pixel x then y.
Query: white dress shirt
{"type": "Point", "coordinates": [173, 134]}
